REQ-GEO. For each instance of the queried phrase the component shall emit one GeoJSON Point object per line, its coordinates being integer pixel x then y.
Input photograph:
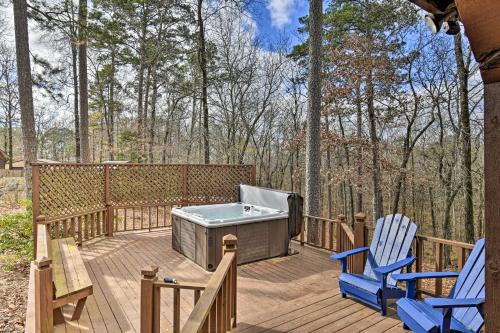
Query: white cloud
{"type": "Point", "coordinates": [281, 11]}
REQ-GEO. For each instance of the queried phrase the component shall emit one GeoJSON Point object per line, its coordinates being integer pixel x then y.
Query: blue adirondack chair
{"type": "Point", "coordinates": [390, 251]}
{"type": "Point", "coordinates": [462, 311]}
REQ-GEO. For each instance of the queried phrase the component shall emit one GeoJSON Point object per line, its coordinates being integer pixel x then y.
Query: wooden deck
{"type": "Point", "coordinates": [298, 293]}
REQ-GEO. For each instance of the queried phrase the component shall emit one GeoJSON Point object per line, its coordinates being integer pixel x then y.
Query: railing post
{"type": "Point", "coordinates": [184, 200]}
{"type": "Point", "coordinates": [461, 258]}
{"type": "Point", "coordinates": [323, 233]}
{"type": "Point", "coordinates": [35, 185]}
{"type": "Point", "coordinates": [149, 319]}
{"type": "Point", "coordinates": [230, 244]}
{"type": "Point", "coordinates": [254, 175]}
{"type": "Point", "coordinates": [439, 268]}
{"type": "Point", "coordinates": [338, 242]}
{"type": "Point", "coordinates": [303, 230]}
{"type": "Point", "coordinates": [44, 313]}
{"type": "Point", "coordinates": [418, 264]}
{"type": "Point", "coordinates": [359, 241]}
{"type": "Point", "coordinates": [330, 236]}
{"type": "Point", "coordinates": [107, 201]}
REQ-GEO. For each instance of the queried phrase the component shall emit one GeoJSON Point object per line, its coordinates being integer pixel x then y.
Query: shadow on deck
{"type": "Point", "coordinates": [298, 293]}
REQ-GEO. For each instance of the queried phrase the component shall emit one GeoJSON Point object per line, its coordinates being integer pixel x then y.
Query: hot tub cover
{"type": "Point", "coordinates": [290, 202]}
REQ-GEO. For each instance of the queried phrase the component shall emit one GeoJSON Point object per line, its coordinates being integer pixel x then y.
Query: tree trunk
{"type": "Point", "coordinates": [359, 134]}
{"type": "Point", "coordinates": [433, 213]}
{"type": "Point", "coordinates": [111, 109]}
{"type": "Point", "coordinates": [25, 89]}
{"type": "Point", "coordinates": [10, 115]}
{"type": "Point", "coordinates": [328, 172]}
{"type": "Point", "coordinates": [146, 109]}
{"type": "Point", "coordinates": [84, 98]}
{"type": "Point", "coordinates": [153, 115]}
{"type": "Point", "coordinates": [465, 138]}
{"type": "Point", "coordinates": [349, 212]}
{"type": "Point", "coordinates": [202, 58]}
{"type": "Point", "coordinates": [76, 114]}
{"type": "Point", "coordinates": [313, 139]}
{"type": "Point", "coordinates": [378, 204]}
{"type": "Point", "coordinates": [140, 85]}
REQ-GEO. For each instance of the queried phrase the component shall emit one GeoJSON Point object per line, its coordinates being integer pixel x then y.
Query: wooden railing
{"type": "Point", "coordinates": [214, 310]}
{"type": "Point", "coordinates": [336, 235]}
{"type": "Point", "coordinates": [437, 260]}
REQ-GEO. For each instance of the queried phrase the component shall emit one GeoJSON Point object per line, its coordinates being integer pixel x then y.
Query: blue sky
{"type": "Point", "coordinates": [279, 17]}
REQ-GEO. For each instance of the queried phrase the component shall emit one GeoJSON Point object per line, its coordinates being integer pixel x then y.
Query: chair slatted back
{"type": "Point", "coordinates": [470, 284]}
{"type": "Point", "coordinates": [391, 243]}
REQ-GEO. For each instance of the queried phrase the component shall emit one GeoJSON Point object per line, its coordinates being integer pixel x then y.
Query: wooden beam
{"type": "Point", "coordinates": [492, 203]}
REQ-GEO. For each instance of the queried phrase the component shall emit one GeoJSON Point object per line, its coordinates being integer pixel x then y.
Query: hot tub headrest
{"type": "Point", "coordinates": [285, 201]}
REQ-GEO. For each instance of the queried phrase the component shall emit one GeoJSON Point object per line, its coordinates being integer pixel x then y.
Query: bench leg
{"type": "Point", "coordinates": [58, 316]}
{"type": "Point", "coordinates": [79, 308]}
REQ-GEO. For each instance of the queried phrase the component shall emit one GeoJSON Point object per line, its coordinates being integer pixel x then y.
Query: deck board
{"type": "Point", "coordinates": [297, 293]}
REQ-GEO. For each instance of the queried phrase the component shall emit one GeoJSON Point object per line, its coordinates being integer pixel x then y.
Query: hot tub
{"type": "Point", "coordinates": [197, 231]}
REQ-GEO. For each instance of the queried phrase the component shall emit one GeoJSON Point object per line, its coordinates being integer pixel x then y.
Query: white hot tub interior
{"type": "Point", "coordinates": [227, 214]}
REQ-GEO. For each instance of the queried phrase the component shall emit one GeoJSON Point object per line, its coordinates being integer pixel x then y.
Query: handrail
{"type": "Point", "coordinates": [215, 308]}
{"type": "Point", "coordinates": [321, 218]}
{"type": "Point", "coordinates": [201, 311]}
{"type": "Point", "coordinates": [467, 246]}
{"type": "Point", "coordinates": [348, 231]}
{"type": "Point", "coordinates": [43, 240]}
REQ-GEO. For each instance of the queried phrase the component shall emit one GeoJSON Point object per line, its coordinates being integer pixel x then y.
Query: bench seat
{"type": "Point", "coordinates": [71, 280]}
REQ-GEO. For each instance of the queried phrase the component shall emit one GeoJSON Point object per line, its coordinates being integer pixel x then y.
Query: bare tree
{"type": "Point", "coordinates": [8, 95]}
{"type": "Point", "coordinates": [25, 89]}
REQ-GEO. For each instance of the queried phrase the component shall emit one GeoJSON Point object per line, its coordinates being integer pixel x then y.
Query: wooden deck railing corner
{"type": "Point", "coordinates": [214, 309]}
{"type": "Point", "coordinates": [44, 319]}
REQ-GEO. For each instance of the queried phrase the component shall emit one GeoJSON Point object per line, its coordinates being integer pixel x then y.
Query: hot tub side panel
{"type": "Point", "coordinates": [256, 241]}
{"type": "Point", "coordinates": [278, 238]}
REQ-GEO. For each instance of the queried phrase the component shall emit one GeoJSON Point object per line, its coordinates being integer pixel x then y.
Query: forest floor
{"type": "Point", "coordinates": [13, 297]}
{"type": "Point", "coordinates": [13, 287]}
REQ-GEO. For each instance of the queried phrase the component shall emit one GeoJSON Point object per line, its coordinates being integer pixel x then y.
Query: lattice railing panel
{"type": "Point", "coordinates": [146, 184]}
{"type": "Point", "coordinates": [66, 190]}
{"type": "Point", "coordinates": [216, 183]}
{"type": "Point", "coordinates": [62, 191]}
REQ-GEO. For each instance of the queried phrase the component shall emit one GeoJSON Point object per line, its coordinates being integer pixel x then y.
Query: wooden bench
{"type": "Point", "coordinates": [58, 277]}
{"type": "Point", "coordinates": [70, 278]}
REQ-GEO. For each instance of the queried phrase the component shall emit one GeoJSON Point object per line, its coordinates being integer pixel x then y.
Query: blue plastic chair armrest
{"type": "Point", "coordinates": [454, 302]}
{"type": "Point", "coordinates": [384, 270]}
{"type": "Point", "coordinates": [345, 254]}
{"type": "Point", "coordinates": [424, 275]}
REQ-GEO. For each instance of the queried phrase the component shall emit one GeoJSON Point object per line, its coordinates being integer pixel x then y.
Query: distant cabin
{"type": "Point", "coordinates": [19, 164]}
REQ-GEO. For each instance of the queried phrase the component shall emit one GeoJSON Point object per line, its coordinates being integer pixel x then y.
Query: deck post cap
{"type": "Point", "coordinates": [360, 217]}
{"type": "Point", "coordinates": [341, 217]}
{"type": "Point", "coordinates": [149, 271]}
{"type": "Point", "coordinates": [43, 262]}
{"type": "Point", "coordinates": [230, 243]}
